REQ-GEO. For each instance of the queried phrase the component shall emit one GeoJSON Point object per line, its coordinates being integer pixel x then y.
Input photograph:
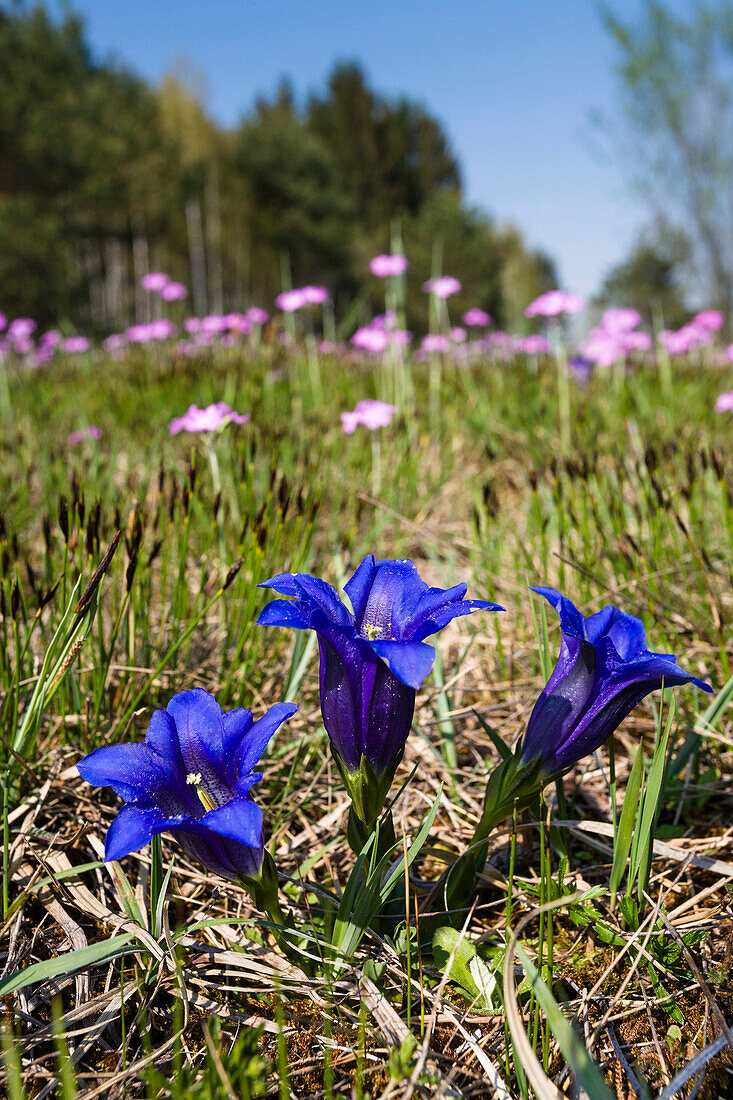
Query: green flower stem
{"type": "Point", "coordinates": [264, 891]}
{"type": "Point", "coordinates": [368, 792]}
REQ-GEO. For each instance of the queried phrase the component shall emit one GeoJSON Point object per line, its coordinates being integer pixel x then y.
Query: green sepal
{"type": "Point", "coordinates": [264, 891]}
{"type": "Point", "coordinates": [512, 784]}
{"type": "Point", "coordinates": [357, 832]}
{"type": "Point", "coordinates": [367, 790]}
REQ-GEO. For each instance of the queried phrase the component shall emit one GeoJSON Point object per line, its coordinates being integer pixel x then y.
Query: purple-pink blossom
{"type": "Point", "coordinates": [384, 265]}
{"type": "Point", "coordinates": [372, 414]}
{"type": "Point", "coordinates": [290, 301]}
{"type": "Point", "coordinates": [534, 345]}
{"type": "Point", "coordinates": [21, 328]}
{"type": "Point", "coordinates": [554, 302]}
{"type": "Point", "coordinates": [314, 295]}
{"type": "Point", "coordinates": [238, 322]}
{"type": "Point", "coordinates": [710, 319]}
{"type": "Point", "coordinates": [160, 329]}
{"type": "Point", "coordinates": [458, 334]}
{"type": "Point", "coordinates": [442, 287]}
{"type": "Point", "coordinates": [620, 320]}
{"type": "Point", "coordinates": [76, 345]}
{"type": "Point", "coordinates": [173, 292]}
{"type": "Point", "coordinates": [435, 342]}
{"type": "Point", "coordinates": [213, 324]}
{"type": "Point", "coordinates": [476, 318]}
{"type": "Point", "coordinates": [115, 342]}
{"type": "Point", "coordinates": [257, 316]}
{"type": "Point", "coordinates": [155, 281]}
{"type": "Point", "coordinates": [89, 432]}
{"type": "Point", "coordinates": [692, 335]}
{"type": "Point", "coordinates": [371, 339]}
{"type": "Point", "coordinates": [724, 402]}
{"type": "Point", "coordinates": [209, 419]}
{"type": "Point", "coordinates": [3, 321]}
{"type": "Point", "coordinates": [400, 336]}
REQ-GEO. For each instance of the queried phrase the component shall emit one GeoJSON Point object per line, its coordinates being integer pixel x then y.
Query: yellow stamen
{"type": "Point", "coordinates": [195, 779]}
{"type": "Point", "coordinates": [206, 800]}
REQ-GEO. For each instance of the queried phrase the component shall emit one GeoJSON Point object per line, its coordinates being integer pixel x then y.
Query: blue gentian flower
{"type": "Point", "coordinates": [604, 670]}
{"type": "Point", "coordinates": [372, 658]}
{"type": "Point", "coordinates": [192, 776]}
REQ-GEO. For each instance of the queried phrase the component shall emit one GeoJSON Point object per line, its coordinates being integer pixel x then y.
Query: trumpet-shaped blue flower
{"type": "Point", "coordinates": [604, 670]}
{"type": "Point", "coordinates": [192, 776]}
{"type": "Point", "coordinates": [372, 658]}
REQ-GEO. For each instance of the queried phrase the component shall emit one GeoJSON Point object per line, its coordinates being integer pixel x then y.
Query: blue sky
{"type": "Point", "coordinates": [514, 82]}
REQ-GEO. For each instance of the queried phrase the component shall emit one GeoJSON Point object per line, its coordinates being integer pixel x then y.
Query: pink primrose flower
{"type": "Point", "coordinates": [384, 266]}
{"type": "Point", "coordinates": [372, 414]}
{"type": "Point", "coordinates": [209, 419]}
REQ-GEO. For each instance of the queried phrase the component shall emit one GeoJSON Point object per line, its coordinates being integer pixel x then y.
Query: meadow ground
{"type": "Point", "coordinates": [628, 502]}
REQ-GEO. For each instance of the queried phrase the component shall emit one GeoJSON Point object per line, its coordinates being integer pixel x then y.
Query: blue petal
{"type": "Point", "coordinates": [347, 670]}
{"type": "Point", "coordinates": [395, 589]}
{"type": "Point", "coordinates": [322, 597]}
{"type": "Point", "coordinates": [387, 709]}
{"type": "Point", "coordinates": [237, 724]}
{"type": "Point", "coordinates": [562, 703]}
{"type": "Point", "coordinates": [161, 736]}
{"type": "Point", "coordinates": [288, 613]}
{"type": "Point", "coordinates": [410, 662]}
{"type": "Point", "coordinates": [571, 620]}
{"type": "Point", "coordinates": [133, 828]}
{"type": "Point", "coordinates": [449, 612]}
{"type": "Point", "coordinates": [200, 725]}
{"type": "Point", "coordinates": [284, 583]}
{"type": "Point", "coordinates": [245, 783]}
{"type": "Point", "coordinates": [311, 591]}
{"type": "Point", "coordinates": [240, 820]}
{"type": "Point", "coordinates": [255, 740]}
{"type": "Point", "coordinates": [436, 598]}
{"type": "Point", "coordinates": [358, 587]}
{"type": "Point", "coordinates": [625, 631]}
{"type": "Point", "coordinates": [133, 772]}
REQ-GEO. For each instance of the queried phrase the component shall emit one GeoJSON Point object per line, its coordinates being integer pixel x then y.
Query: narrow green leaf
{"type": "Point", "coordinates": [66, 964]}
{"type": "Point", "coordinates": [503, 749]}
{"type": "Point", "coordinates": [629, 814]}
{"type": "Point", "coordinates": [586, 1070]}
{"type": "Point", "coordinates": [650, 809]}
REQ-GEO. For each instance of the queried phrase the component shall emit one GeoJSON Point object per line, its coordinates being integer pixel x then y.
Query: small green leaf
{"type": "Point", "coordinates": [66, 964]}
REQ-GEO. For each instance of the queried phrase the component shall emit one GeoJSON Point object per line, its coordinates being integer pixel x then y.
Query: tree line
{"type": "Point", "coordinates": [104, 177]}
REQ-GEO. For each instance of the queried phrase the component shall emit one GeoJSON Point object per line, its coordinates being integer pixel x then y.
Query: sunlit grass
{"type": "Point", "coordinates": [478, 483]}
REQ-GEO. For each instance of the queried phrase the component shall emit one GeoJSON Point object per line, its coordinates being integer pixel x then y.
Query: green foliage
{"type": "Point", "coordinates": [651, 279]}
{"type": "Point", "coordinates": [103, 177]}
{"type": "Point", "coordinates": [457, 956]}
{"type": "Point", "coordinates": [83, 161]}
{"type": "Point", "coordinates": [676, 99]}
{"type": "Point", "coordinates": [231, 1068]}
{"type": "Point", "coordinates": [402, 1058]}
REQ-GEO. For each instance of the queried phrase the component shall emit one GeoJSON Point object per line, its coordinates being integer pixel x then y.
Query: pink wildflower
{"type": "Point", "coordinates": [209, 419]}
{"type": "Point", "coordinates": [372, 414]}
{"type": "Point", "coordinates": [155, 281]}
{"type": "Point", "coordinates": [384, 266]}
{"type": "Point", "coordinates": [84, 433]}
{"type": "Point", "coordinates": [476, 318]}
{"type": "Point", "coordinates": [442, 287]}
